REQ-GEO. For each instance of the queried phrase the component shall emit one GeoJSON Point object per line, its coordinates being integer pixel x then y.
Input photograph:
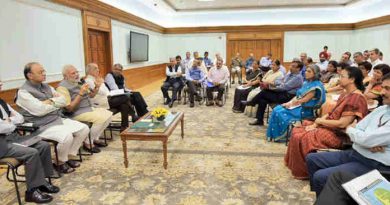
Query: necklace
{"type": "Point", "coordinates": [380, 123]}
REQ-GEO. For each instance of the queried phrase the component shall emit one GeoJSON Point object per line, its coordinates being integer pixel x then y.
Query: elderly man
{"type": "Point", "coordinates": [303, 59]}
{"type": "Point", "coordinates": [115, 80]}
{"type": "Point", "coordinates": [374, 59]}
{"type": "Point", "coordinates": [41, 105]}
{"type": "Point", "coordinates": [323, 64]}
{"type": "Point", "coordinates": [370, 149]}
{"type": "Point", "coordinates": [36, 157]}
{"type": "Point", "coordinates": [195, 77]}
{"type": "Point", "coordinates": [103, 100]}
{"type": "Point", "coordinates": [79, 107]}
{"type": "Point", "coordinates": [358, 58]}
{"type": "Point", "coordinates": [217, 77]}
{"type": "Point", "coordinates": [173, 72]}
{"type": "Point", "coordinates": [235, 67]}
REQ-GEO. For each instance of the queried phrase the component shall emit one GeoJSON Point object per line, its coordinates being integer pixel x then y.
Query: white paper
{"type": "Point", "coordinates": [355, 185]}
{"type": "Point", "coordinates": [242, 87]}
{"type": "Point", "coordinates": [116, 92]}
{"type": "Point", "coordinates": [335, 97]}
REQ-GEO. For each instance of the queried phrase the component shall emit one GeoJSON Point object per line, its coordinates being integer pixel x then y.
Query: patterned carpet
{"type": "Point", "coordinates": [221, 160]}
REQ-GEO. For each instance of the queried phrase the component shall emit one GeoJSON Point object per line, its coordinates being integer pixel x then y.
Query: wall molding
{"type": "Point", "coordinates": [110, 11]}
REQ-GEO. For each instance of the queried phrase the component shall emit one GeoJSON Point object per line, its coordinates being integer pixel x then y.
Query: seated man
{"type": "Point", "coordinates": [115, 80]}
{"type": "Point", "coordinates": [41, 105]}
{"type": "Point", "coordinates": [279, 92]}
{"type": "Point", "coordinates": [217, 77]}
{"type": "Point", "coordinates": [36, 158]}
{"type": "Point", "coordinates": [236, 66]}
{"type": "Point", "coordinates": [79, 107]}
{"type": "Point", "coordinates": [265, 62]}
{"type": "Point", "coordinates": [195, 77]}
{"type": "Point", "coordinates": [102, 100]}
{"type": "Point", "coordinates": [248, 63]}
{"type": "Point", "coordinates": [173, 72]}
{"type": "Point", "coordinates": [370, 149]}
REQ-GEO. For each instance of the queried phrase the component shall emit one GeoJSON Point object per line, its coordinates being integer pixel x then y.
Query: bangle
{"type": "Point", "coordinates": [80, 95]}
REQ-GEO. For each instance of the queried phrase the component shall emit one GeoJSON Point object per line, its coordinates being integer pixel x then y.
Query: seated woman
{"type": "Point", "coordinates": [311, 95]}
{"type": "Point", "coordinates": [269, 77]}
{"type": "Point", "coordinates": [365, 67]}
{"type": "Point", "coordinates": [328, 131]}
{"type": "Point", "coordinates": [331, 72]}
{"type": "Point", "coordinates": [374, 88]}
{"type": "Point", "coordinates": [252, 81]}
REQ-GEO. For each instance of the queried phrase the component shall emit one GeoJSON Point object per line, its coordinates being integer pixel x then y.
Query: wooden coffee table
{"type": "Point", "coordinates": [145, 130]}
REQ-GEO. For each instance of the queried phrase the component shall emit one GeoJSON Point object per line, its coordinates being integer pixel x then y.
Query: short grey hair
{"type": "Point", "coordinates": [91, 67]}
{"type": "Point", "coordinates": [66, 68]}
{"type": "Point", "coordinates": [316, 70]}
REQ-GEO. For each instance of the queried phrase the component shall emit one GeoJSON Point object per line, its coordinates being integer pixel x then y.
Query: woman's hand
{"type": "Point", "coordinates": [311, 127]}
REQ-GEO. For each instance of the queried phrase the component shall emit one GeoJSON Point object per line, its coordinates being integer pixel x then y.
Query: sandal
{"type": "Point", "coordinates": [99, 143]}
{"type": "Point", "coordinates": [64, 168]}
{"type": "Point", "coordinates": [73, 164]}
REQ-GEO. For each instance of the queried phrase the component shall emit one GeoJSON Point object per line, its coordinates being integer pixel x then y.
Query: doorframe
{"type": "Point", "coordinates": [94, 21]}
{"type": "Point", "coordinates": [277, 35]}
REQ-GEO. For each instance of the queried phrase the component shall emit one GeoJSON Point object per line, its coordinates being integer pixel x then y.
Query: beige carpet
{"type": "Point", "coordinates": [221, 160]}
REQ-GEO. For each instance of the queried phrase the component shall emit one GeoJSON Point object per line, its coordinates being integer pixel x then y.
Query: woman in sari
{"type": "Point", "coordinates": [269, 77]}
{"type": "Point", "coordinates": [328, 131]}
{"type": "Point", "coordinates": [374, 87]}
{"type": "Point", "coordinates": [252, 82]}
{"type": "Point", "coordinates": [311, 95]}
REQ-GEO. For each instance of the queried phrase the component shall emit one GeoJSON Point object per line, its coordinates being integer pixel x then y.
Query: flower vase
{"type": "Point", "coordinates": [161, 118]}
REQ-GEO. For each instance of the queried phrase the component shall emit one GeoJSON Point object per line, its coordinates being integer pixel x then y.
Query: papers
{"type": "Point", "coordinates": [369, 189]}
{"type": "Point", "coordinates": [241, 87]}
{"type": "Point", "coordinates": [293, 107]}
{"type": "Point", "coordinates": [335, 97]}
{"type": "Point", "coordinates": [116, 92]}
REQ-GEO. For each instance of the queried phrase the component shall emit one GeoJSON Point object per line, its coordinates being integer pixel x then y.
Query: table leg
{"type": "Point", "coordinates": [124, 145]}
{"type": "Point", "coordinates": [182, 127]}
{"type": "Point", "coordinates": [165, 164]}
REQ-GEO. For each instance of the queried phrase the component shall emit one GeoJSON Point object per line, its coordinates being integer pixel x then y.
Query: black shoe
{"type": "Point", "coordinates": [219, 103]}
{"type": "Point", "coordinates": [37, 197]}
{"type": "Point", "coordinates": [192, 104]}
{"type": "Point", "coordinates": [171, 104]}
{"type": "Point", "coordinates": [233, 82]}
{"type": "Point", "coordinates": [256, 122]}
{"type": "Point", "coordinates": [99, 143]}
{"type": "Point", "coordinates": [93, 149]}
{"type": "Point", "coordinates": [167, 101]}
{"type": "Point", "coordinates": [210, 103]}
{"type": "Point", "coordinates": [239, 82]}
{"type": "Point", "coordinates": [48, 188]}
{"type": "Point", "coordinates": [237, 110]}
{"type": "Point", "coordinates": [247, 103]}
{"type": "Point", "coordinates": [64, 168]}
{"type": "Point", "coordinates": [73, 164]}
{"type": "Point", "coordinates": [134, 118]}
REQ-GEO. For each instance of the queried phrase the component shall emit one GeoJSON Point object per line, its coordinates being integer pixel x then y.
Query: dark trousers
{"type": "Point", "coordinates": [210, 90]}
{"type": "Point", "coordinates": [321, 165]}
{"type": "Point", "coordinates": [139, 103]}
{"type": "Point", "coordinates": [333, 193]}
{"type": "Point", "coordinates": [122, 104]}
{"type": "Point", "coordinates": [192, 90]}
{"type": "Point", "coordinates": [37, 161]}
{"type": "Point", "coordinates": [266, 97]}
{"type": "Point", "coordinates": [240, 95]}
{"type": "Point", "coordinates": [176, 85]}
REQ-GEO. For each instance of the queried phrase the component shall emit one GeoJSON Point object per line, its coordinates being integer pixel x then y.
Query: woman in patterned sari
{"type": "Point", "coordinates": [309, 97]}
{"type": "Point", "coordinates": [328, 131]}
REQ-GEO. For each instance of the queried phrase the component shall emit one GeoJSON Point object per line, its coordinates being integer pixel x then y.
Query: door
{"type": "Point", "coordinates": [99, 50]}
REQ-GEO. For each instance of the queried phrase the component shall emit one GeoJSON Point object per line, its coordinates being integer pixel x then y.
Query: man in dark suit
{"type": "Point", "coordinates": [36, 158]}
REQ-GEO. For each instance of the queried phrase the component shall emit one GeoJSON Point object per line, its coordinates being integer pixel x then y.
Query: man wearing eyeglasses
{"type": "Point", "coordinates": [370, 150]}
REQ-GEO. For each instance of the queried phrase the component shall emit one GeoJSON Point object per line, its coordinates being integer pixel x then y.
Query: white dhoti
{"type": "Point", "coordinates": [70, 135]}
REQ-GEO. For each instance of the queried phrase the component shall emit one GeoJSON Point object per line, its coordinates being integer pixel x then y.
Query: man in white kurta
{"type": "Point", "coordinates": [69, 134]}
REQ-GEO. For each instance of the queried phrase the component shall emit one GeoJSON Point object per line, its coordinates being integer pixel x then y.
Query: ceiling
{"type": "Point", "coordinates": [206, 5]}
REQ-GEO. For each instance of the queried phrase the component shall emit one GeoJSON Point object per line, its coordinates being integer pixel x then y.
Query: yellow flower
{"type": "Point", "coordinates": [159, 111]}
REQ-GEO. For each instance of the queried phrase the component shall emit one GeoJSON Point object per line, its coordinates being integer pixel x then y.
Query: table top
{"type": "Point", "coordinates": [146, 126]}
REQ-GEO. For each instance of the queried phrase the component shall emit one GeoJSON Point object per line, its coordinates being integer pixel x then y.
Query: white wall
{"type": "Point", "coordinates": [121, 45]}
{"type": "Point", "coordinates": [179, 44]}
{"type": "Point", "coordinates": [338, 42]}
{"type": "Point", "coordinates": [312, 42]}
{"type": "Point", "coordinates": [36, 30]}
